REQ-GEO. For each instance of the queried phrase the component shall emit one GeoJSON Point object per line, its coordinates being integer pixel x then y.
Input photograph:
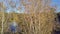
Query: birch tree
{"type": "Point", "coordinates": [40, 11]}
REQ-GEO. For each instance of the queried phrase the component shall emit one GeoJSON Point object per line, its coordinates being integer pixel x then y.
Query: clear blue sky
{"type": "Point", "coordinates": [53, 3]}
{"type": "Point", "coordinates": [57, 3]}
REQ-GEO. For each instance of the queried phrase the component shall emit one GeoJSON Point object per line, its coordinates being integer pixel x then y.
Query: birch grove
{"type": "Point", "coordinates": [38, 17]}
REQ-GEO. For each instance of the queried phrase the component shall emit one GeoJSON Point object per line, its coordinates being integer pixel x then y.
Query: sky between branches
{"type": "Point", "coordinates": [9, 9]}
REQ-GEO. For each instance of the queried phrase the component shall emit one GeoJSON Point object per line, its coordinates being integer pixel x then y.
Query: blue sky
{"type": "Point", "coordinates": [56, 3]}
{"type": "Point", "coordinates": [53, 3]}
